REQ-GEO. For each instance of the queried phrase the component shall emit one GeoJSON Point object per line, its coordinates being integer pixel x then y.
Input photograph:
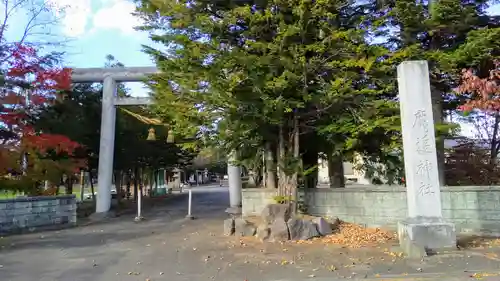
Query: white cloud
{"type": "Point", "coordinates": [78, 18]}
{"type": "Point", "coordinates": [74, 15]}
{"type": "Point", "coordinates": [116, 15]}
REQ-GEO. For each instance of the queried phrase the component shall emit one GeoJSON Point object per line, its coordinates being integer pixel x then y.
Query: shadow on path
{"type": "Point", "coordinates": [165, 216]}
{"type": "Point", "coordinates": [167, 247]}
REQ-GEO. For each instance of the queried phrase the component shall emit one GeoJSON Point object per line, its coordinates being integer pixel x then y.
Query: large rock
{"type": "Point", "coordinates": [272, 212]}
{"type": "Point", "coordinates": [243, 227]}
{"type": "Point", "coordinates": [279, 231]}
{"type": "Point", "coordinates": [301, 229]}
{"type": "Point", "coordinates": [263, 232]}
{"type": "Point", "coordinates": [229, 227]}
{"type": "Point", "coordinates": [323, 227]}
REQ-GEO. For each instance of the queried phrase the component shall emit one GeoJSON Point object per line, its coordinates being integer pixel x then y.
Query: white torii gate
{"type": "Point", "coordinates": [109, 77]}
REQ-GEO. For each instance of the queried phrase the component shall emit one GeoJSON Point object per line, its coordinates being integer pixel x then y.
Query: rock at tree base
{"type": "Point", "coordinates": [323, 227]}
{"type": "Point", "coordinates": [301, 229]}
{"type": "Point", "coordinates": [229, 227]}
{"type": "Point", "coordinates": [243, 227]}
{"type": "Point", "coordinates": [263, 232]}
{"type": "Point", "coordinates": [279, 231]}
{"type": "Point", "coordinates": [272, 212]}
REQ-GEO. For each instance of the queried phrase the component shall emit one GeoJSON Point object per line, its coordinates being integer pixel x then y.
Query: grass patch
{"type": "Point", "coordinates": [62, 191]}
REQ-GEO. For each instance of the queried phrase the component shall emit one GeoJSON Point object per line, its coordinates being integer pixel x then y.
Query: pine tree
{"type": "Point", "coordinates": [270, 73]}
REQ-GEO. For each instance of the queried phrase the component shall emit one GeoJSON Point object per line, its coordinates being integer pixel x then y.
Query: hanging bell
{"type": "Point", "coordinates": [151, 135]}
{"type": "Point", "coordinates": [170, 136]}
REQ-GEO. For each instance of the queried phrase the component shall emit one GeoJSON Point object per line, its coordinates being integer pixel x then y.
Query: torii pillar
{"type": "Point", "coordinates": [235, 185]}
{"type": "Point", "coordinates": [109, 77]}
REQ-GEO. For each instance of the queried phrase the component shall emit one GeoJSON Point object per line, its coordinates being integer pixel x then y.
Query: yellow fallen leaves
{"type": "Point", "coordinates": [480, 276]}
{"type": "Point", "coordinates": [354, 236]}
{"type": "Point", "coordinates": [332, 268]}
{"type": "Point", "coordinates": [479, 242]}
{"type": "Point", "coordinates": [394, 254]}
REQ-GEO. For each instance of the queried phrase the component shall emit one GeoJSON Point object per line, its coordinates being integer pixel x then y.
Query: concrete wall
{"type": "Point", "coordinates": [28, 214]}
{"type": "Point", "coordinates": [472, 209]}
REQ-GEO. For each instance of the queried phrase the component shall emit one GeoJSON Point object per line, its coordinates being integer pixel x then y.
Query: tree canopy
{"type": "Point", "coordinates": [294, 78]}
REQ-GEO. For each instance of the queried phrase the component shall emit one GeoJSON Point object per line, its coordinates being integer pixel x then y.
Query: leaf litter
{"type": "Point", "coordinates": [354, 236]}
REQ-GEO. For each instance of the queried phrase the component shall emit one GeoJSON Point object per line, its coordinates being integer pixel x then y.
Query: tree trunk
{"type": "Point", "coordinates": [136, 183]}
{"type": "Point", "coordinates": [336, 171]}
{"type": "Point", "coordinates": [494, 145]}
{"type": "Point", "coordinates": [281, 163]}
{"type": "Point", "coordinates": [309, 150]}
{"type": "Point", "coordinates": [128, 176]}
{"type": "Point", "coordinates": [69, 185]}
{"type": "Point", "coordinates": [82, 184]}
{"type": "Point", "coordinates": [91, 176]}
{"type": "Point", "coordinates": [296, 154]}
{"type": "Point", "coordinates": [270, 166]}
{"type": "Point", "coordinates": [155, 175]}
{"type": "Point", "coordinates": [118, 186]}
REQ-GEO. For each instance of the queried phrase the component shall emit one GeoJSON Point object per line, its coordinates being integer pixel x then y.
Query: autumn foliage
{"type": "Point", "coordinates": [30, 83]}
{"type": "Point", "coordinates": [484, 93]}
{"type": "Point", "coordinates": [475, 163]}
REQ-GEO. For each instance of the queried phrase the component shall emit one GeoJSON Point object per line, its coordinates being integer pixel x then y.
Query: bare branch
{"type": "Point", "coordinates": [41, 15]}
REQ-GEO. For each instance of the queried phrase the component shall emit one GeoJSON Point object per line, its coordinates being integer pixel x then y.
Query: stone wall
{"type": "Point", "coordinates": [28, 214]}
{"type": "Point", "coordinates": [472, 209]}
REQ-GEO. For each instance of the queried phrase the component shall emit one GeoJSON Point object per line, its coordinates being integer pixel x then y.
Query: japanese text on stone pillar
{"type": "Point", "coordinates": [423, 146]}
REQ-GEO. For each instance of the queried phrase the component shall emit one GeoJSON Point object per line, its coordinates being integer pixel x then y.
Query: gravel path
{"type": "Point", "coordinates": [167, 247]}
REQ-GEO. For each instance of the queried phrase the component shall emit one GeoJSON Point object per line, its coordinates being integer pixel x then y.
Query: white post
{"type": "Point", "coordinates": [424, 229]}
{"type": "Point", "coordinates": [139, 205]}
{"type": "Point", "coordinates": [234, 180]}
{"type": "Point", "coordinates": [190, 200]}
{"type": "Point", "coordinates": [106, 146]}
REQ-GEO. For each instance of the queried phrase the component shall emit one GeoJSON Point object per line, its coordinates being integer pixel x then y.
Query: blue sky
{"type": "Point", "coordinates": [97, 28]}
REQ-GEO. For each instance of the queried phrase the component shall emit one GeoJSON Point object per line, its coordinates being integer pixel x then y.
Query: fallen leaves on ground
{"type": "Point", "coordinates": [354, 236]}
{"type": "Point", "coordinates": [394, 254]}
{"type": "Point", "coordinates": [480, 276]}
{"type": "Point", "coordinates": [479, 242]}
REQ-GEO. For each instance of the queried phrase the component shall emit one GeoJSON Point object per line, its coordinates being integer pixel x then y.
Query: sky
{"type": "Point", "coordinates": [94, 29]}
{"type": "Point", "coordinates": [97, 28]}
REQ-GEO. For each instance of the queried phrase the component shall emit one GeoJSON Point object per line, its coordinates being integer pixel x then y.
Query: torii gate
{"type": "Point", "coordinates": [109, 77]}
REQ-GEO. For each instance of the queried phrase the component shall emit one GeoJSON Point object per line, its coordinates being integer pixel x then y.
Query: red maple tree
{"type": "Point", "coordinates": [30, 83]}
{"type": "Point", "coordinates": [482, 107]}
{"type": "Point", "coordinates": [484, 93]}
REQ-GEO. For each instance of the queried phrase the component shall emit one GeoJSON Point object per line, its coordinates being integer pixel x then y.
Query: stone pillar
{"type": "Point", "coordinates": [425, 228]}
{"type": "Point", "coordinates": [234, 180]}
{"type": "Point", "coordinates": [106, 146]}
{"type": "Point", "coordinates": [177, 178]}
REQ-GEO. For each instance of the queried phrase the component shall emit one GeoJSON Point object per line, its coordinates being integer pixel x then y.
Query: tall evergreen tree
{"type": "Point", "coordinates": [270, 72]}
